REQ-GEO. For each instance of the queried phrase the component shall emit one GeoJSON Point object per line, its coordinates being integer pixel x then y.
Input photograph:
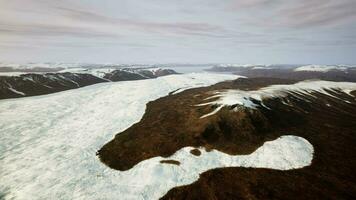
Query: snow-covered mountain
{"type": "Point", "coordinates": [20, 84]}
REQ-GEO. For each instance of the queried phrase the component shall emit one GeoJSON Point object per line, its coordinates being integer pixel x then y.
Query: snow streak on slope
{"type": "Point", "coordinates": [48, 143]}
{"type": "Point", "coordinates": [246, 98]}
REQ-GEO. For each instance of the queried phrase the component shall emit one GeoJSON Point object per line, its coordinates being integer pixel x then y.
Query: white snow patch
{"type": "Point", "coordinates": [262, 67]}
{"type": "Point", "coordinates": [245, 98]}
{"type": "Point", "coordinates": [154, 70]}
{"type": "Point", "coordinates": [14, 90]}
{"type": "Point", "coordinates": [284, 153]}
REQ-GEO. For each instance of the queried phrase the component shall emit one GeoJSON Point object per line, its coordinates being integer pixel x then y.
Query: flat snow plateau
{"type": "Point", "coordinates": [48, 144]}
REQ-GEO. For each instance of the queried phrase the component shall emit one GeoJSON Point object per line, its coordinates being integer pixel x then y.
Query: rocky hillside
{"type": "Point", "coordinates": [38, 84]}
{"type": "Point", "coordinates": [128, 74]}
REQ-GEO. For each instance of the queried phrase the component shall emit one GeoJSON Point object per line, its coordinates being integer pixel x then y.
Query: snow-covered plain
{"type": "Point", "coordinates": [48, 144]}
{"type": "Point", "coordinates": [245, 98]}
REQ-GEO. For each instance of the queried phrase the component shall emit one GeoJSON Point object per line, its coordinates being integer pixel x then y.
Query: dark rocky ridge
{"type": "Point", "coordinates": [38, 84]}
{"type": "Point", "coordinates": [333, 75]}
{"type": "Point", "coordinates": [172, 122]}
{"type": "Point", "coordinates": [128, 74]}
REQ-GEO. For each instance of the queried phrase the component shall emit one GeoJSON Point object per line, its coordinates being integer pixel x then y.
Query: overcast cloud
{"type": "Point", "coordinates": [184, 31]}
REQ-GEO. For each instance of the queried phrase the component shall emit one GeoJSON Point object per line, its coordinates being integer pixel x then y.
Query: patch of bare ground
{"type": "Point", "coordinates": [195, 152]}
{"type": "Point", "coordinates": [173, 162]}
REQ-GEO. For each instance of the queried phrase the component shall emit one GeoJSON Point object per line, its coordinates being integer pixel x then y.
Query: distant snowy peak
{"type": "Point", "coordinates": [98, 70]}
{"type": "Point", "coordinates": [11, 69]}
{"type": "Point", "coordinates": [28, 66]}
{"type": "Point", "coordinates": [285, 67]}
{"type": "Point", "coordinates": [322, 68]}
{"type": "Point", "coordinates": [242, 66]}
{"type": "Point", "coordinates": [161, 72]}
{"type": "Point", "coordinates": [248, 67]}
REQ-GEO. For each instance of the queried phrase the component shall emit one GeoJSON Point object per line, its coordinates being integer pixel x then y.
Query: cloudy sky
{"type": "Point", "coordinates": [178, 31]}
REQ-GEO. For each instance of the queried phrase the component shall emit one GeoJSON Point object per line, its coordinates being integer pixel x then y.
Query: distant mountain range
{"type": "Point", "coordinates": [295, 72]}
{"type": "Point", "coordinates": [27, 81]}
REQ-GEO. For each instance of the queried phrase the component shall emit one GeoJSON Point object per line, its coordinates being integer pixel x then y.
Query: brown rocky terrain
{"type": "Point", "coordinates": [173, 122]}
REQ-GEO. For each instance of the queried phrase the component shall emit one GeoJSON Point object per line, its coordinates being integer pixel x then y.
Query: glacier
{"type": "Point", "coordinates": [48, 143]}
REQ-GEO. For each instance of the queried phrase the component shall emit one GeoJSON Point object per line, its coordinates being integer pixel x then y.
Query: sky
{"type": "Point", "coordinates": [179, 31]}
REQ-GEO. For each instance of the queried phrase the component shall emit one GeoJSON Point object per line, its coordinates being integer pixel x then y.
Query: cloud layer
{"type": "Point", "coordinates": [263, 31]}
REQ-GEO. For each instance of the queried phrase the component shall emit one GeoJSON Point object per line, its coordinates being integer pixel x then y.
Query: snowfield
{"type": "Point", "coordinates": [285, 153]}
{"type": "Point", "coordinates": [48, 144]}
